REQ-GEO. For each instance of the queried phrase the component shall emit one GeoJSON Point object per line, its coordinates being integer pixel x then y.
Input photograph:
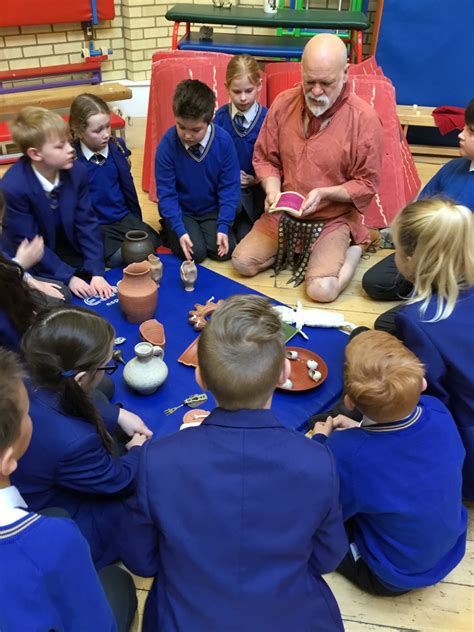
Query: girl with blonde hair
{"type": "Point", "coordinates": [242, 118]}
{"type": "Point", "coordinates": [434, 241]}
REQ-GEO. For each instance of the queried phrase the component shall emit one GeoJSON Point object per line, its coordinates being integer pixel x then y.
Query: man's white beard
{"type": "Point", "coordinates": [318, 110]}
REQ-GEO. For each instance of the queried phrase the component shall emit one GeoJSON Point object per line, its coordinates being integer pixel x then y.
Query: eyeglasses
{"type": "Point", "coordinates": [110, 368]}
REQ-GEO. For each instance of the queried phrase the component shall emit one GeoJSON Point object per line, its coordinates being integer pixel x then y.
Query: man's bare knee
{"type": "Point", "coordinates": [245, 267]}
{"type": "Point", "coordinates": [322, 289]}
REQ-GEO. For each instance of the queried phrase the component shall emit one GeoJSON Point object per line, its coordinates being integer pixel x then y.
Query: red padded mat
{"type": "Point", "coordinates": [26, 12]}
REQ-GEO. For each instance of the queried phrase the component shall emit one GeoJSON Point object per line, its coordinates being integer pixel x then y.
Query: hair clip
{"type": "Point", "coordinates": [70, 373]}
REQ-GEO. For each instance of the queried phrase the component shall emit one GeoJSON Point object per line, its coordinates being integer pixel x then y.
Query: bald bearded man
{"type": "Point", "coordinates": [326, 143]}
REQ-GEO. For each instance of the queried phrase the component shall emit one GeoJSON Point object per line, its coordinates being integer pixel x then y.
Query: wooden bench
{"type": "Point", "coordinates": [422, 116]}
{"type": "Point", "coordinates": [258, 45]}
{"type": "Point", "coordinates": [57, 98]}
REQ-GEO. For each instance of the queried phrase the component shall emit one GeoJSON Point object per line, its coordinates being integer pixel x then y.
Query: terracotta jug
{"type": "Point", "coordinates": [137, 292]}
{"type": "Point", "coordinates": [188, 274]}
{"type": "Point", "coordinates": [156, 268]}
{"type": "Point", "coordinates": [147, 371]}
{"type": "Point", "coordinates": [136, 246]}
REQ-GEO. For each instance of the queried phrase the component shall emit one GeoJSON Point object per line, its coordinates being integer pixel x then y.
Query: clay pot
{"type": "Point", "coordinates": [137, 292]}
{"type": "Point", "coordinates": [156, 268]}
{"type": "Point", "coordinates": [188, 274]}
{"type": "Point", "coordinates": [153, 332]}
{"type": "Point", "coordinates": [136, 246]}
{"type": "Point", "coordinates": [147, 371]}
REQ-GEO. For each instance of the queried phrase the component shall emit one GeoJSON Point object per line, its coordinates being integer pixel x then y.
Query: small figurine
{"type": "Point", "coordinates": [156, 268]}
{"type": "Point", "coordinates": [188, 274]}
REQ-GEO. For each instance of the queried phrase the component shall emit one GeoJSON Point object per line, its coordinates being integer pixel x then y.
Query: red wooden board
{"type": "Point", "coordinates": [27, 12]}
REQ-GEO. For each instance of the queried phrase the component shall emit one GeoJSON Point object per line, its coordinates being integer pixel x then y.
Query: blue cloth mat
{"type": "Point", "coordinates": [174, 304]}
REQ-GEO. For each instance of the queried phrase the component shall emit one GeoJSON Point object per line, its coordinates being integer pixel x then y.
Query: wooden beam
{"type": "Point", "coordinates": [57, 98]}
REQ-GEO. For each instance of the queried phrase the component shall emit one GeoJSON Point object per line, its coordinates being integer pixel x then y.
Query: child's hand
{"type": "Point", "coordinates": [324, 427]}
{"type": "Point", "coordinates": [186, 246]}
{"type": "Point", "coordinates": [222, 244]}
{"type": "Point", "coordinates": [51, 289]}
{"type": "Point", "coordinates": [137, 440]}
{"type": "Point", "coordinates": [246, 180]}
{"type": "Point", "coordinates": [30, 252]}
{"type": "Point", "coordinates": [131, 424]}
{"type": "Point", "coordinates": [341, 422]}
{"type": "Point", "coordinates": [80, 288]}
{"type": "Point", "coordinates": [100, 286]}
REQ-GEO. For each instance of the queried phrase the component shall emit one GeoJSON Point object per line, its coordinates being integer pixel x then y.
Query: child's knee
{"type": "Point", "coordinates": [244, 265]}
{"type": "Point", "coordinates": [322, 289]}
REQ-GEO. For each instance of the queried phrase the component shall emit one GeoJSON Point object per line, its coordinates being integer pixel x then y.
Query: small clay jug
{"type": "Point", "coordinates": [188, 274]}
{"type": "Point", "coordinates": [147, 371]}
{"type": "Point", "coordinates": [156, 268]}
{"type": "Point", "coordinates": [136, 246]}
{"type": "Point", "coordinates": [137, 292]}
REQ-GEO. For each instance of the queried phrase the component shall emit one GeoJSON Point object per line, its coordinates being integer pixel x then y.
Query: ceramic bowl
{"type": "Point", "coordinates": [153, 332]}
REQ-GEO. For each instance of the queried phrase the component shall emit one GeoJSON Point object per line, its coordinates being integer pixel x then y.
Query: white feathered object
{"type": "Point", "coordinates": [310, 316]}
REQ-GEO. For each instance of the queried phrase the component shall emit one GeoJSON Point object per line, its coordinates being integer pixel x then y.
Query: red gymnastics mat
{"type": "Point", "coordinates": [27, 12]}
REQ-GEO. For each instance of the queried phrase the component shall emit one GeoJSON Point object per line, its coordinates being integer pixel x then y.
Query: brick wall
{"type": "Point", "coordinates": [138, 29]}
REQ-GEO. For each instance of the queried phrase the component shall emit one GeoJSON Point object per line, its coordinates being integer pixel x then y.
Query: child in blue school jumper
{"type": "Point", "coordinates": [400, 470]}
{"type": "Point", "coordinates": [435, 251]}
{"type": "Point", "coordinates": [71, 461]}
{"type": "Point", "coordinates": [48, 580]}
{"type": "Point", "coordinates": [454, 180]}
{"type": "Point", "coordinates": [242, 118]}
{"type": "Point", "coordinates": [112, 191]}
{"type": "Point", "coordinates": [47, 194]}
{"type": "Point", "coordinates": [197, 178]}
{"type": "Point", "coordinates": [239, 535]}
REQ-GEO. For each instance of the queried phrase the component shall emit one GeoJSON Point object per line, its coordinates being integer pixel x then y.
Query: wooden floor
{"type": "Point", "coordinates": [446, 607]}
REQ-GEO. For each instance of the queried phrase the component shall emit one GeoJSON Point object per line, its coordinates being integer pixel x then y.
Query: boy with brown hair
{"type": "Point", "coordinates": [197, 178]}
{"type": "Point", "coordinates": [48, 580]}
{"type": "Point", "coordinates": [47, 194]}
{"type": "Point", "coordinates": [400, 469]}
{"type": "Point", "coordinates": [227, 516]}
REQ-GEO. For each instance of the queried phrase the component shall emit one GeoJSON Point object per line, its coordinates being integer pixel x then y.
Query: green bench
{"type": "Point", "coordinates": [268, 46]}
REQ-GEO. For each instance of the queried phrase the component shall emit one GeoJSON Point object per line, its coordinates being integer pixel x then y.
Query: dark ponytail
{"type": "Point", "coordinates": [62, 342]}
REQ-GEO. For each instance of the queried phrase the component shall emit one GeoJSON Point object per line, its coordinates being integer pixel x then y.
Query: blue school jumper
{"type": "Point", "coordinates": [446, 348]}
{"type": "Point", "coordinates": [240, 532]}
{"type": "Point", "coordinates": [244, 141]}
{"type": "Point", "coordinates": [112, 190]}
{"type": "Point", "coordinates": [47, 579]}
{"type": "Point", "coordinates": [67, 466]}
{"type": "Point", "coordinates": [453, 180]}
{"type": "Point", "coordinates": [28, 213]}
{"type": "Point", "coordinates": [195, 186]}
{"type": "Point", "coordinates": [10, 338]}
{"type": "Point", "coordinates": [401, 486]}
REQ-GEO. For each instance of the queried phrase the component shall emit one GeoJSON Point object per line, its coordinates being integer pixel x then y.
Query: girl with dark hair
{"type": "Point", "coordinates": [69, 462]}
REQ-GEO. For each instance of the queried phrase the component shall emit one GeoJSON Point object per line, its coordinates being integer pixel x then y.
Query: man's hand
{"type": "Point", "coordinates": [136, 440]}
{"type": "Point", "coordinates": [324, 427]}
{"type": "Point", "coordinates": [30, 252]}
{"type": "Point", "coordinates": [51, 289]}
{"type": "Point", "coordinates": [270, 198]}
{"type": "Point", "coordinates": [186, 246]}
{"type": "Point", "coordinates": [100, 286]}
{"type": "Point", "coordinates": [341, 422]}
{"type": "Point", "coordinates": [312, 201]}
{"type": "Point", "coordinates": [222, 242]}
{"type": "Point", "coordinates": [246, 180]}
{"type": "Point", "coordinates": [80, 288]}
{"type": "Point", "coordinates": [131, 424]}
